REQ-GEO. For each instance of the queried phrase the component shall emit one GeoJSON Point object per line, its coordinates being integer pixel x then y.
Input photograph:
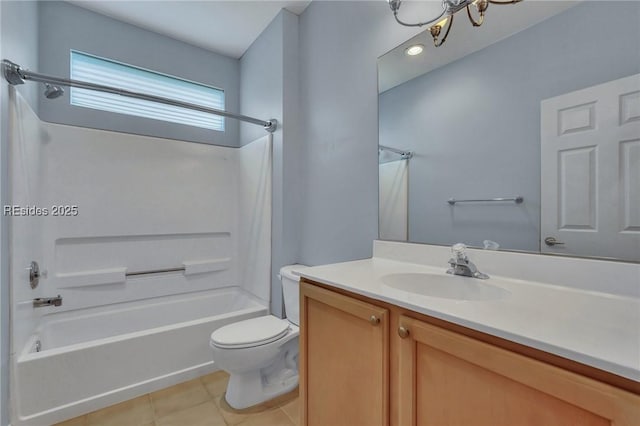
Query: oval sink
{"type": "Point", "coordinates": [444, 286]}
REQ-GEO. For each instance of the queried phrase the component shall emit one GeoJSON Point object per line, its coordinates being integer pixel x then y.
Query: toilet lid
{"type": "Point", "coordinates": [251, 332]}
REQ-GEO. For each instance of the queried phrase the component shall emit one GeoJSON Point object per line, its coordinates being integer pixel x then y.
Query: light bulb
{"type": "Point", "coordinates": [442, 22]}
{"type": "Point", "coordinates": [414, 50]}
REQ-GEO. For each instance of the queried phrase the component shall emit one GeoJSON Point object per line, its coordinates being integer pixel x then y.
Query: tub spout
{"type": "Point", "coordinates": [47, 301]}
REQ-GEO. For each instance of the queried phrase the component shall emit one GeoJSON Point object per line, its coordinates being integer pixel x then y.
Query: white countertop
{"type": "Point", "coordinates": [598, 329]}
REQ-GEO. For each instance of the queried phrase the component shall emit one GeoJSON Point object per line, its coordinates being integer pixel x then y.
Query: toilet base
{"type": "Point", "coordinates": [252, 388]}
{"type": "Point", "coordinates": [278, 401]}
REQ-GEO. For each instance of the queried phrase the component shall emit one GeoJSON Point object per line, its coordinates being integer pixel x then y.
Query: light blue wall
{"type": "Point", "coordinates": [290, 221]}
{"type": "Point", "coordinates": [18, 42]}
{"type": "Point", "coordinates": [474, 124]}
{"type": "Point", "coordinates": [261, 80]}
{"type": "Point", "coordinates": [340, 42]}
{"type": "Point", "coordinates": [64, 27]}
{"type": "Point", "coordinates": [269, 89]}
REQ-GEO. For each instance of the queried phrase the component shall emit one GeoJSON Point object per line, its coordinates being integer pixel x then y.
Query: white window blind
{"type": "Point", "coordinates": [109, 73]}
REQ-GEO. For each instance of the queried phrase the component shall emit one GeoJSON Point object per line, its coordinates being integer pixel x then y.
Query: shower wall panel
{"type": "Point", "coordinates": [255, 167]}
{"type": "Point", "coordinates": [118, 204]}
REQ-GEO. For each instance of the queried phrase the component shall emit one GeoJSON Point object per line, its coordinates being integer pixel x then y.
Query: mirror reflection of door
{"type": "Point", "coordinates": [590, 181]}
{"type": "Point", "coordinates": [471, 111]}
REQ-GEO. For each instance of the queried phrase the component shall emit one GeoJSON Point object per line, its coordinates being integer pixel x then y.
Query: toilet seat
{"type": "Point", "coordinates": [249, 333]}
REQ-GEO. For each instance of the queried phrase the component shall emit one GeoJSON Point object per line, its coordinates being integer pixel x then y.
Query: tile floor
{"type": "Point", "coordinates": [197, 402]}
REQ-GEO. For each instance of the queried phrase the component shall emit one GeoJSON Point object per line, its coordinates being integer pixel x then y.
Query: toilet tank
{"type": "Point", "coordinates": [291, 291]}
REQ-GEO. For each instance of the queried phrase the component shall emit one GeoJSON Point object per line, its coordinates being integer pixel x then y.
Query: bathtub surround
{"type": "Point", "coordinates": [15, 16]}
{"type": "Point", "coordinates": [143, 204]}
{"type": "Point", "coordinates": [269, 83]}
{"type": "Point", "coordinates": [63, 26]}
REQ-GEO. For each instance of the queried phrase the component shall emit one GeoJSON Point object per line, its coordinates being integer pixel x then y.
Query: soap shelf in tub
{"type": "Point", "coordinates": [120, 275]}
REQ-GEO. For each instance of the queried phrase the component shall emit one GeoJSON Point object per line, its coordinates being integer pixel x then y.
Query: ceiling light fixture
{"type": "Point", "coordinates": [414, 50]}
{"type": "Point", "coordinates": [449, 8]}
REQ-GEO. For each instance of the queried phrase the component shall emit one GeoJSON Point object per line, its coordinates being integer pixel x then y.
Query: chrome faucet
{"type": "Point", "coordinates": [47, 301]}
{"type": "Point", "coordinates": [461, 265]}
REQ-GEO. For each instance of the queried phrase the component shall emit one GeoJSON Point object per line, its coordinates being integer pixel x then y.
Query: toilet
{"type": "Point", "coordinates": [261, 354]}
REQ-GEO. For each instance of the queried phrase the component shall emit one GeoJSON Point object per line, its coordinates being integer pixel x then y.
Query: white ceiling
{"type": "Point", "coordinates": [501, 21]}
{"type": "Point", "coordinates": [226, 27]}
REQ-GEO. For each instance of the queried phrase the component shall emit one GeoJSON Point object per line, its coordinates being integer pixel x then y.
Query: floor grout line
{"type": "Point", "coordinates": [211, 399]}
{"type": "Point", "coordinates": [288, 416]}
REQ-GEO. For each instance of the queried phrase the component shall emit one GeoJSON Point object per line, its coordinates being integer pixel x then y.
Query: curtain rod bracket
{"type": "Point", "coordinates": [12, 72]}
{"type": "Point", "coordinates": [271, 125]}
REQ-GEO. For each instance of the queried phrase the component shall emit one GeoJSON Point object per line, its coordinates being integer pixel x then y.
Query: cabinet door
{"type": "Point", "coordinates": [450, 379]}
{"type": "Point", "coordinates": [344, 362]}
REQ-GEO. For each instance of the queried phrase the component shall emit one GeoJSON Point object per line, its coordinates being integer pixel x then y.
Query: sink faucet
{"type": "Point", "coordinates": [461, 265]}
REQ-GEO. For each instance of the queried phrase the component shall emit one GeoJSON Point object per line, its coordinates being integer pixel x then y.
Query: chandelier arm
{"type": "Point", "coordinates": [473, 21]}
{"type": "Point", "coordinates": [450, 8]}
{"type": "Point", "coordinates": [444, 37]}
{"type": "Point", "coordinates": [504, 2]}
{"type": "Point", "coordinates": [419, 24]}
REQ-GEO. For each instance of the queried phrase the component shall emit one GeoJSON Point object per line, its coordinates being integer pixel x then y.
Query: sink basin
{"type": "Point", "coordinates": [444, 286]}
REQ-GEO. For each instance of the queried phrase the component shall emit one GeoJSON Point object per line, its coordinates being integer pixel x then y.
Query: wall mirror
{"type": "Point", "coordinates": [522, 134]}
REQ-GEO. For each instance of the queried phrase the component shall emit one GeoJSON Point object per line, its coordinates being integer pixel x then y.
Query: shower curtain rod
{"type": "Point", "coordinates": [404, 154]}
{"type": "Point", "coordinates": [14, 74]}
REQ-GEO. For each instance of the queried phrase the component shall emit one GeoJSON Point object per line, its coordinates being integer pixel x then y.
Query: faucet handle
{"type": "Point", "coordinates": [458, 247]}
{"type": "Point", "coordinates": [459, 251]}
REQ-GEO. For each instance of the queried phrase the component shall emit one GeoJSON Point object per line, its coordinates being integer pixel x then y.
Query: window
{"type": "Point", "coordinates": [109, 73]}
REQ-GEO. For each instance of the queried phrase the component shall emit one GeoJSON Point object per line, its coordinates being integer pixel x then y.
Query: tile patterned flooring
{"type": "Point", "coordinates": [198, 402]}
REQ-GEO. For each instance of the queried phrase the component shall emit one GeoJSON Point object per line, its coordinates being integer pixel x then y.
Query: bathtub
{"type": "Point", "coordinates": [80, 361]}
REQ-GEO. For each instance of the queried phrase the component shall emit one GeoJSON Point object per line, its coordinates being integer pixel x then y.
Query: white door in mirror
{"type": "Point", "coordinates": [590, 174]}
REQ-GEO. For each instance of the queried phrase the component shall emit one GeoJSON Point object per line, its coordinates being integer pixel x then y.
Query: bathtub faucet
{"type": "Point", "coordinates": [47, 301]}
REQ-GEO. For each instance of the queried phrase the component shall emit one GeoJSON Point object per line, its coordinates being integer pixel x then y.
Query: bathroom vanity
{"type": "Point", "coordinates": [374, 352]}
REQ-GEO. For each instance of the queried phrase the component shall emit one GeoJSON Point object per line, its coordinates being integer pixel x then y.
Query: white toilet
{"type": "Point", "coordinates": [261, 354]}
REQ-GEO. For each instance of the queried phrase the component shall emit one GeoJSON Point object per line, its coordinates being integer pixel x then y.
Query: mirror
{"type": "Point", "coordinates": [536, 114]}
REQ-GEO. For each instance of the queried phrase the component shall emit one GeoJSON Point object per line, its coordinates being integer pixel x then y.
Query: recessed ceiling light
{"type": "Point", "coordinates": [414, 50]}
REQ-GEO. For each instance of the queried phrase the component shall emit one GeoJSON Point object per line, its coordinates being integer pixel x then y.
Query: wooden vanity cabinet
{"type": "Point", "coordinates": [445, 378]}
{"type": "Point", "coordinates": [405, 371]}
{"type": "Point", "coordinates": [344, 362]}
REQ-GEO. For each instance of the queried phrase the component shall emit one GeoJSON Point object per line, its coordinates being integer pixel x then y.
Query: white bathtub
{"type": "Point", "coordinates": [90, 359]}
